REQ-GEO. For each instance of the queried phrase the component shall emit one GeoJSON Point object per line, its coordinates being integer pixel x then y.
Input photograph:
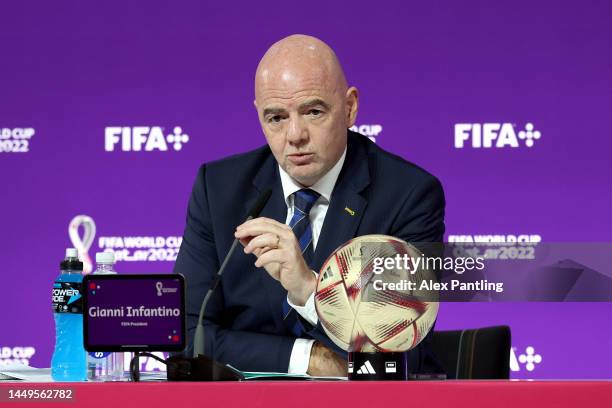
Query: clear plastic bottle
{"type": "Point", "coordinates": [105, 366]}
{"type": "Point", "coordinates": [69, 356]}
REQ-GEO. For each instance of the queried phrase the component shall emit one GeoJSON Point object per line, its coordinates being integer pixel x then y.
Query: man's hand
{"type": "Point", "coordinates": [326, 363]}
{"type": "Point", "coordinates": [278, 251]}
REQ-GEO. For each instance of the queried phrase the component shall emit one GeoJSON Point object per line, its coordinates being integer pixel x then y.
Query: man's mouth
{"type": "Point", "coordinates": [300, 158]}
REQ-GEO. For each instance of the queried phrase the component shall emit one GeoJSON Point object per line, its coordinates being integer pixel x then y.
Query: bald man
{"type": "Point", "coordinates": [328, 185]}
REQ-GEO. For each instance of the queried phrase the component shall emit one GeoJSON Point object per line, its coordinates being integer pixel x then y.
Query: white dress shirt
{"type": "Point", "coordinates": [300, 354]}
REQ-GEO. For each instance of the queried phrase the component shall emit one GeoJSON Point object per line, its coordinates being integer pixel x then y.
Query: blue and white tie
{"type": "Point", "coordinates": [303, 200]}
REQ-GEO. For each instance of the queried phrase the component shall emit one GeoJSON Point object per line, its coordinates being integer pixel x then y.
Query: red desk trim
{"type": "Point", "coordinates": [295, 394]}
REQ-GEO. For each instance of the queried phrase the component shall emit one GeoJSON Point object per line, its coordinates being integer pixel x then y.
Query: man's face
{"type": "Point", "coordinates": [304, 120]}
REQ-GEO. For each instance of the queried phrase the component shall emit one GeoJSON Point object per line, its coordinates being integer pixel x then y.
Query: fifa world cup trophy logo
{"type": "Point", "coordinates": [82, 244]}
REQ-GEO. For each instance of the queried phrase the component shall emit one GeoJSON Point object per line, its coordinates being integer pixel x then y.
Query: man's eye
{"type": "Point", "coordinates": [315, 112]}
{"type": "Point", "coordinates": [274, 119]}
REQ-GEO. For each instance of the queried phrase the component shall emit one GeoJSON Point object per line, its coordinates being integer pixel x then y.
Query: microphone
{"type": "Point", "coordinates": [200, 367]}
{"type": "Point", "coordinates": [198, 339]}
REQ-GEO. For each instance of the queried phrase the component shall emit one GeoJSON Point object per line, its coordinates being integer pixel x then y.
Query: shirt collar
{"type": "Point", "coordinates": [324, 186]}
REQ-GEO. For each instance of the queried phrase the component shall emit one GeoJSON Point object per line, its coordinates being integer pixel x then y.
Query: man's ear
{"type": "Point", "coordinates": [352, 105]}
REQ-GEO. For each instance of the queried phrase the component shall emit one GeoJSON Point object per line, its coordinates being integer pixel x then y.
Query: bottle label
{"type": "Point", "coordinates": [99, 354]}
{"type": "Point", "coordinates": [66, 297]}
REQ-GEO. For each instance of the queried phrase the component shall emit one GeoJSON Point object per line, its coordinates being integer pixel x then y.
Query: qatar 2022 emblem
{"type": "Point", "coordinates": [83, 242]}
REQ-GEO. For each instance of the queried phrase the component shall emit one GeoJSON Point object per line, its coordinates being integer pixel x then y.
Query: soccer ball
{"type": "Point", "coordinates": [364, 309]}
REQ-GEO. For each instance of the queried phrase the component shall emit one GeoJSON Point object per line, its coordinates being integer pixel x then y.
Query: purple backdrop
{"type": "Point", "coordinates": [74, 73]}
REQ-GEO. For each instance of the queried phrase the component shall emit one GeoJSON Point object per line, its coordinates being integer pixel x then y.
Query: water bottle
{"type": "Point", "coordinates": [69, 357]}
{"type": "Point", "coordinates": [104, 366]}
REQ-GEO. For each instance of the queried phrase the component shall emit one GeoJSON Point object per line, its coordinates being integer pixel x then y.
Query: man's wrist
{"type": "Point", "coordinates": [324, 362]}
{"type": "Point", "coordinates": [308, 311]}
{"type": "Point", "coordinates": [300, 295]}
{"type": "Point", "coordinates": [312, 361]}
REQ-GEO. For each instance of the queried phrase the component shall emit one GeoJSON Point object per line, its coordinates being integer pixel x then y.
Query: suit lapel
{"type": "Point", "coordinates": [340, 225]}
{"type": "Point", "coordinates": [276, 208]}
{"type": "Point", "coordinates": [268, 177]}
{"type": "Point", "coordinates": [347, 204]}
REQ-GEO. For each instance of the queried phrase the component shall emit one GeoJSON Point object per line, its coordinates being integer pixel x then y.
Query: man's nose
{"type": "Point", "coordinates": [297, 133]}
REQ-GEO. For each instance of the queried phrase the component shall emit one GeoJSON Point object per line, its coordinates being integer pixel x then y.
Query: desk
{"type": "Point", "coordinates": [294, 394]}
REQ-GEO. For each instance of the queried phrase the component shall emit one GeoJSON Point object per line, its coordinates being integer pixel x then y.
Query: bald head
{"type": "Point", "coordinates": [299, 55]}
{"type": "Point", "coordinates": [304, 106]}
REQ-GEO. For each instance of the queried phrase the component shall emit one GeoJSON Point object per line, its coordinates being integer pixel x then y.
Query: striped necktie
{"type": "Point", "coordinates": [303, 200]}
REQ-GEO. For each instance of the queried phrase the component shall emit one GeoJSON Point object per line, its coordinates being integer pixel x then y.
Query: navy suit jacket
{"type": "Point", "coordinates": [244, 323]}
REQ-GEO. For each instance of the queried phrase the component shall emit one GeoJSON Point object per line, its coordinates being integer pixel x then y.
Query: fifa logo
{"type": "Point", "coordinates": [143, 138]}
{"type": "Point", "coordinates": [494, 135]}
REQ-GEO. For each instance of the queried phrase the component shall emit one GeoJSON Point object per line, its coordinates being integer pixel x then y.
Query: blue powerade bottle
{"type": "Point", "coordinates": [69, 361]}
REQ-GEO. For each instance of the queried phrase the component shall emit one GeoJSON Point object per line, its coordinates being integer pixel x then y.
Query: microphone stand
{"type": "Point", "coordinates": [201, 367]}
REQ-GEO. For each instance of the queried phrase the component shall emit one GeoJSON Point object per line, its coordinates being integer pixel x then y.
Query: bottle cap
{"type": "Point", "coordinates": [71, 264]}
{"type": "Point", "coordinates": [71, 253]}
{"type": "Point", "coordinates": [105, 257]}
